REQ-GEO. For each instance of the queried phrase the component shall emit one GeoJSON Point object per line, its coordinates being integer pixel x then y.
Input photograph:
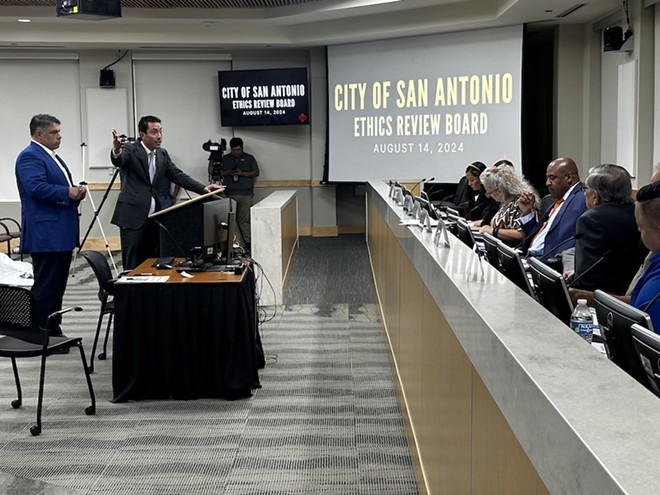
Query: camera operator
{"type": "Point", "coordinates": [239, 170]}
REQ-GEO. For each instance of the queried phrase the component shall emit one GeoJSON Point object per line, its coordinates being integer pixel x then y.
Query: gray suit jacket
{"type": "Point", "coordinates": [133, 203]}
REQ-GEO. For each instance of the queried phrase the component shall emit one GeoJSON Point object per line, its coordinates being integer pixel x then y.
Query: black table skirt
{"type": "Point", "coordinates": [185, 341]}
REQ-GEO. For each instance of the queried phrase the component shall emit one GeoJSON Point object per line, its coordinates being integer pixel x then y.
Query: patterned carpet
{"type": "Point", "coordinates": [326, 420]}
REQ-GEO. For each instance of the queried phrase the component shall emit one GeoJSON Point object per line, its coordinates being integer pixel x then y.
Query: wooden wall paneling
{"type": "Point", "coordinates": [499, 463]}
{"type": "Point", "coordinates": [444, 433]}
{"type": "Point", "coordinates": [410, 336]}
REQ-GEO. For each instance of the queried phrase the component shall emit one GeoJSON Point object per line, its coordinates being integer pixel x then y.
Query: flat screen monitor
{"type": "Point", "coordinates": [551, 291]}
{"type": "Point", "coordinates": [217, 225]}
{"type": "Point", "coordinates": [647, 344]}
{"type": "Point", "coordinates": [464, 233]}
{"type": "Point", "coordinates": [231, 235]}
{"type": "Point", "coordinates": [452, 211]}
{"type": "Point", "coordinates": [615, 318]}
{"type": "Point", "coordinates": [490, 245]}
{"type": "Point", "coordinates": [264, 97]}
{"type": "Point", "coordinates": [451, 221]}
{"type": "Point", "coordinates": [512, 267]}
{"type": "Point", "coordinates": [426, 205]}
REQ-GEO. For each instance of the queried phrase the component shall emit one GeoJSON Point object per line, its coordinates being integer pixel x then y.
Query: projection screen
{"type": "Point", "coordinates": [414, 108]}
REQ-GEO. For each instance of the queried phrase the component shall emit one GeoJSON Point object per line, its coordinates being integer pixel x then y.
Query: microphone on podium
{"type": "Point", "coordinates": [605, 257]}
{"type": "Point", "coordinates": [420, 182]}
{"type": "Point", "coordinates": [169, 234]}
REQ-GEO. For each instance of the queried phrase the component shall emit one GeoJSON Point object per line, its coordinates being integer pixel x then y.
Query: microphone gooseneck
{"type": "Point", "coordinates": [176, 243]}
{"type": "Point", "coordinates": [560, 244]}
{"type": "Point", "coordinates": [417, 185]}
{"type": "Point", "coordinates": [605, 257]}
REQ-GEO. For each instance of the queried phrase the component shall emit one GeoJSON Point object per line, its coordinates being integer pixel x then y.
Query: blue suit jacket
{"type": "Point", "coordinates": [562, 228]}
{"type": "Point", "coordinates": [49, 218]}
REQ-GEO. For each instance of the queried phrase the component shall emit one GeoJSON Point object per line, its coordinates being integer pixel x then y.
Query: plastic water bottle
{"type": "Point", "coordinates": [582, 322]}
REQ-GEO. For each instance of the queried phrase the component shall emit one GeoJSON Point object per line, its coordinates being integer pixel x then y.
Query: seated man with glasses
{"type": "Point", "coordinates": [608, 250]}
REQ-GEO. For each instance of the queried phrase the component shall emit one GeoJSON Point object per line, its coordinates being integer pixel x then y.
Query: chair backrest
{"type": "Point", "coordinates": [551, 290]}
{"type": "Point", "coordinates": [615, 319]}
{"type": "Point", "coordinates": [464, 233]}
{"type": "Point", "coordinates": [491, 243]}
{"type": "Point", "coordinates": [512, 267]}
{"type": "Point", "coordinates": [101, 269]}
{"type": "Point", "coordinates": [17, 317]}
{"type": "Point", "coordinates": [546, 201]}
{"type": "Point", "coordinates": [647, 344]}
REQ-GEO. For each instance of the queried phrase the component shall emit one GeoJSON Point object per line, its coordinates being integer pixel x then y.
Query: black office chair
{"type": "Point", "coordinates": [546, 202]}
{"type": "Point", "coordinates": [101, 269]}
{"type": "Point", "coordinates": [23, 338]}
{"type": "Point", "coordinates": [647, 344]}
{"type": "Point", "coordinates": [7, 234]}
{"type": "Point", "coordinates": [491, 243]}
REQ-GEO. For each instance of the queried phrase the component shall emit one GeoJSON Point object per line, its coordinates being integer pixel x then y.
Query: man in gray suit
{"type": "Point", "coordinates": [143, 165]}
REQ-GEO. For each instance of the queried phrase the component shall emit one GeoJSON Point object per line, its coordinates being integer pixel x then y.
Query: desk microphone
{"type": "Point", "coordinates": [176, 243]}
{"type": "Point", "coordinates": [605, 257]}
{"type": "Point", "coordinates": [476, 207]}
{"type": "Point", "coordinates": [423, 180]}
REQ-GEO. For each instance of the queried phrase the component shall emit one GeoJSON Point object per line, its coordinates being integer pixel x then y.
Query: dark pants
{"type": "Point", "coordinates": [243, 205]}
{"type": "Point", "coordinates": [51, 271]}
{"type": "Point", "coordinates": [138, 244]}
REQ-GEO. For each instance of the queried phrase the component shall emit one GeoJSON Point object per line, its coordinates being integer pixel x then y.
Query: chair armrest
{"type": "Point", "coordinates": [7, 219]}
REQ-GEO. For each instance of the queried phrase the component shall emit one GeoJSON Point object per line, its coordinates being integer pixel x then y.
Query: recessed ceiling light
{"type": "Point", "coordinates": [24, 20]}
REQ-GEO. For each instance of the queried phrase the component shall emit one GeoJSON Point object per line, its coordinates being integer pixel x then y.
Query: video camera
{"type": "Point", "coordinates": [216, 151]}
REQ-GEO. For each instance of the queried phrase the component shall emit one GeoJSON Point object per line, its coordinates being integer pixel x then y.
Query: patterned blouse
{"type": "Point", "coordinates": [508, 216]}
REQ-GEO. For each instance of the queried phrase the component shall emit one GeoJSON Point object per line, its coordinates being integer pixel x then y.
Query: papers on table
{"type": "Point", "coordinates": [144, 279]}
{"type": "Point", "coordinates": [413, 222]}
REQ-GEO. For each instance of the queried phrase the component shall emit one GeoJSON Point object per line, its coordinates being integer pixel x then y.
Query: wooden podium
{"type": "Point", "coordinates": [181, 226]}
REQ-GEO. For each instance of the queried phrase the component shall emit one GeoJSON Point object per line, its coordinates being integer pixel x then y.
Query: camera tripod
{"type": "Point", "coordinates": [96, 218]}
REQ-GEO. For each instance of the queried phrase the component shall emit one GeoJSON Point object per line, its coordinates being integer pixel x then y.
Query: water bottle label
{"type": "Point", "coordinates": [582, 328]}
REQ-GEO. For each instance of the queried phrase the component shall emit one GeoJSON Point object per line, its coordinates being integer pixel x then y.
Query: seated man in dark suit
{"type": "Point", "coordinates": [608, 250]}
{"type": "Point", "coordinates": [554, 230]}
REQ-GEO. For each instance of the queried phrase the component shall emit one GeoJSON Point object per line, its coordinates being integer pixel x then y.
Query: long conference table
{"type": "Point", "coordinates": [499, 396]}
{"type": "Point", "coordinates": [185, 338]}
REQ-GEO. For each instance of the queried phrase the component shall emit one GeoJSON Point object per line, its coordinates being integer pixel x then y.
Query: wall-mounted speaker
{"type": "Point", "coordinates": [612, 38]}
{"type": "Point", "coordinates": [107, 78]}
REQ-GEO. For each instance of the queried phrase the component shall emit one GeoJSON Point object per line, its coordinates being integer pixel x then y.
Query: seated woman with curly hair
{"type": "Point", "coordinates": [505, 186]}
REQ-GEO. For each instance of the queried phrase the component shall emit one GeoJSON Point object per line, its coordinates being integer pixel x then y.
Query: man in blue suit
{"type": "Point", "coordinates": [553, 231]}
{"type": "Point", "coordinates": [49, 216]}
